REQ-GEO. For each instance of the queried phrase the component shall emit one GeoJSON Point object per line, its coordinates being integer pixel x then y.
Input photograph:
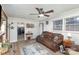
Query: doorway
{"type": "Point", "coordinates": [20, 32]}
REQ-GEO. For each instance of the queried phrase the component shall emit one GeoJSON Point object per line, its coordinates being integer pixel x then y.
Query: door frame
{"type": "Point", "coordinates": [24, 31]}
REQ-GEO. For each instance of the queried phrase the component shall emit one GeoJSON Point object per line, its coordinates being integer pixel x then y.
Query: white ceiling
{"type": "Point", "coordinates": [24, 10]}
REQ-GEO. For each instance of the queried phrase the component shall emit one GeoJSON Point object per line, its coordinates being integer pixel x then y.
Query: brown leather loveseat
{"type": "Point", "coordinates": [50, 40]}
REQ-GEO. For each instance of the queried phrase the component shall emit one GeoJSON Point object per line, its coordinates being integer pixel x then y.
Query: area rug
{"type": "Point", "coordinates": [35, 49]}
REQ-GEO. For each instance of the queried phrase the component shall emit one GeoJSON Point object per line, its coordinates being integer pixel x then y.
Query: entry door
{"type": "Point", "coordinates": [13, 32]}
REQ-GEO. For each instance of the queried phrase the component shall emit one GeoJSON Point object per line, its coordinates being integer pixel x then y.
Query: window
{"type": "Point", "coordinates": [72, 24]}
{"type": "Point", "coordinates": [57, 25]}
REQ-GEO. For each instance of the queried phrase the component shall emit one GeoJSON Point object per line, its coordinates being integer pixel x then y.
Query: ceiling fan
{"type": "Point", "coordinates": [42, 13]}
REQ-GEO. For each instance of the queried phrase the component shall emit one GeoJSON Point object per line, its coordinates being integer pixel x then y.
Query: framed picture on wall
{"type": "Point", "coordinates": [30, 25]}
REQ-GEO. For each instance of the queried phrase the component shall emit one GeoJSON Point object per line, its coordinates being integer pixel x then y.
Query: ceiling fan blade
{"type": "Point", "coordinates": [41, 9]}
{"type": "Point", "coordinates": [46, 15]}
{"type": "Point", "coordinates": [49, 11]}
{"type": "Point", "coordinates": [33, 14]}
{"type": "Point", "coordinates": [38, 10]}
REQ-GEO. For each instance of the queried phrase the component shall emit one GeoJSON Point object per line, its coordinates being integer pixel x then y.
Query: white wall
{"type": "Point", "coordinates": [70, 13]}
{"type": "Point", "coordinates": [13, 32]}
{"type": "Point", "coordinates": [49, 27]}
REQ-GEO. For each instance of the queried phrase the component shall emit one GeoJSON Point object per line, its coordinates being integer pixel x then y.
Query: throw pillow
{"type": "Point", "coordinates": [55, 39]}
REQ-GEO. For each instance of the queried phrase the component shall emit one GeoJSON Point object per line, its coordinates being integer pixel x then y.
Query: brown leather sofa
{"type": "Point", "coordinates": [50, 40]}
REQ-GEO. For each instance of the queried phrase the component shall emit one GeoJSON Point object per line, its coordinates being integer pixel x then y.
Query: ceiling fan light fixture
{"type": "Point", "coordinates": [41, 15]}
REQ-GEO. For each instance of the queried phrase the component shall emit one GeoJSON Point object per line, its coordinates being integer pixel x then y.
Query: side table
{"type": "Point", "coordinates": [68, 43]}
{"type": "Point", "coordinates": [29, 36]}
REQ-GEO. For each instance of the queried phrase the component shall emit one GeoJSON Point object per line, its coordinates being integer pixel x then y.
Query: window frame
{"type": "Point", "coordinates": [67, 18]}
{"type": "Point", "coordinates": [58, 25]}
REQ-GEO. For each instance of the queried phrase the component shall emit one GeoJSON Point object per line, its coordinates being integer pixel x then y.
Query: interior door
{"type": "Point", "coordinates": [41, 27]}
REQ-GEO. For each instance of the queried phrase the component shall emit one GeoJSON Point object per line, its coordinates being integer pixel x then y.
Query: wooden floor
{"type": "Point", "coordinates": [15, 50]}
